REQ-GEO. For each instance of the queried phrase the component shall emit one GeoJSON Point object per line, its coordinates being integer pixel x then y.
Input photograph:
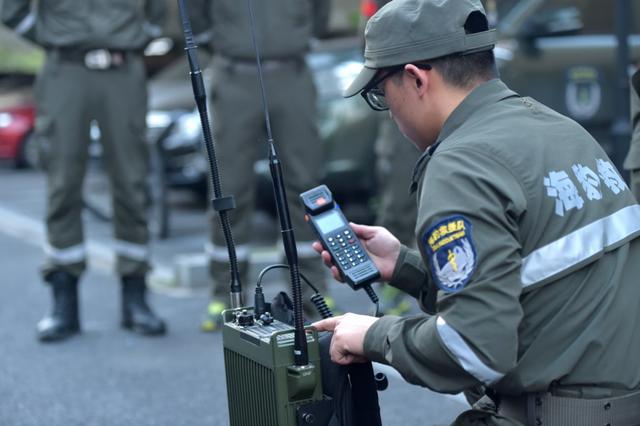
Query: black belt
{"type": "Point", "coordinates": [268, 65]}
{"type": "Point", "coordinates": [95, 59]}
{"type": "Point", "coordinates": [545, 409]}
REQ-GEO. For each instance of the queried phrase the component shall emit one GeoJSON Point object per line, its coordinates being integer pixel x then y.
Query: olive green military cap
{"type": "Point", "coordinates": [405, 31]}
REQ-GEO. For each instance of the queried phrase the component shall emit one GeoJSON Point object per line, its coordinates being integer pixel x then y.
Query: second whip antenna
{"type": "Point", "coordinates": [300, 354]}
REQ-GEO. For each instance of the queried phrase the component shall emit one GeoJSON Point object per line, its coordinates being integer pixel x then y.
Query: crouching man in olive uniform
{"type": "Point", "coordinates": [527, 235]}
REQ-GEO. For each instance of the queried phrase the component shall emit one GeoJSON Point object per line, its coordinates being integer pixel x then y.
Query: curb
{"type": "Point", "coordinates": [185, 275]}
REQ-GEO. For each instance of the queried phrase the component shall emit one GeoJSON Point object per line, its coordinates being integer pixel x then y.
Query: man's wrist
{"type": "Point", "coordinates": [402, 254]}
{"type": "Point", "coordinates": [409, 273]}
{"type": "Point", "coordinates": [375, 344]}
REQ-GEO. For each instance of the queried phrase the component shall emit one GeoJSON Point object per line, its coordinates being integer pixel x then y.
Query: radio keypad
{"type": "Point", "coordinates": [347, 251]}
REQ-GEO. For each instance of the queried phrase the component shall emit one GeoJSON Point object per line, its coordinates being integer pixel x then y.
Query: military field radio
{"type": "Point", "coordinates": [272, 368]}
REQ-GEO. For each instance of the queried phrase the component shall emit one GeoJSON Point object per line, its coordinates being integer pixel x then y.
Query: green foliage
{"type": "Point", "coordinates": [20, 62]}
{"type": "Point", "coordinates": [18, 55]}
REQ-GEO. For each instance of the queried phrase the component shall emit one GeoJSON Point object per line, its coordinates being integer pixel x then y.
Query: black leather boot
{"type": "Point", "coordinates": [63, 321]}
{"type": "Point", "coordinates": [136, 314]}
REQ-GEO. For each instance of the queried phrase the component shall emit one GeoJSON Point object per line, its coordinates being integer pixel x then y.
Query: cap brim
{"type": "Point", "coordinates": [360, 82]}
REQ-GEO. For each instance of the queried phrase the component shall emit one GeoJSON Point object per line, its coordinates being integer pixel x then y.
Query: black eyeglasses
{"type": "Point", "coordinates": [375, 96]}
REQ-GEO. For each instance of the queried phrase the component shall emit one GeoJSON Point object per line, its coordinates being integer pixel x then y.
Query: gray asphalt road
{"type": "Point", "coordinates": [106, 376]}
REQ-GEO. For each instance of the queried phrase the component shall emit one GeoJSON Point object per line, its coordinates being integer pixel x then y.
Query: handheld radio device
{"type": "Point", "coordinates": [337, 237]}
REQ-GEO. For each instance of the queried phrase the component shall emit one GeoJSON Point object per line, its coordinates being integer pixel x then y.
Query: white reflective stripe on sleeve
{"type": "Point", "coordinates": [65, 256]}
{"type": "Point", "coordinates": [464, 356]}
{"type": "Point", "coordinates": [131, 250]}
{"type": "Point", "coordinates": [579, 245]}
{"type": "Point", "coordinates": [26, 24]}
{"type": "Point", "coordinates": [221, 254]}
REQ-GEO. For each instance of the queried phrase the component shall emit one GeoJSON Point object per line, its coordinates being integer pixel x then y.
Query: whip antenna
{"type": "Point", "coordinates": [300, 350]}
{"type": "Point", "coordinates": [265, 106]}
{"type": "Point", "coordinates": [221, 204]}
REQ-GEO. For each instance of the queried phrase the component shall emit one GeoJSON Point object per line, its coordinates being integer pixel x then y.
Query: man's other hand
{"type": "Point", "coordinates": [348, 336]}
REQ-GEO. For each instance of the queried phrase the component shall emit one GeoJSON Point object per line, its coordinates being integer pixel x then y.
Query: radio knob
{"type": "Point", "coordinates": [245, 319]}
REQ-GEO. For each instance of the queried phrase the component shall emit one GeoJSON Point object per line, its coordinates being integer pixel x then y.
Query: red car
{"type": "Point", "coordinates": [17, 119]}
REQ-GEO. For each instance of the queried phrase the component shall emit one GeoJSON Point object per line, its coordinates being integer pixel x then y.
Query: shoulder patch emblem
{"type": "Point", "coordinates": [451, 252]}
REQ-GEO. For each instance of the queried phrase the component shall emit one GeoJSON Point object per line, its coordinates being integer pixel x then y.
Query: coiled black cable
{"type": "Point", "coordinates": [321, 306]}
{"type": "Point", "coordinates": [317, 299]}
{"type": "Point", "coordinates": [374, 298]}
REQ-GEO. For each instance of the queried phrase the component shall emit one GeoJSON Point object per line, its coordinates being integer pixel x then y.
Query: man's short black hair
{"type": "Point", "coordinates": [465, 71]}
{"type": "Point", "coordinates": [461, 71]}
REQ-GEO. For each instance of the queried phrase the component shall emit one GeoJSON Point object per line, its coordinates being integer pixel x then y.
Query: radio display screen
{"type": "Point", "coordinates": [329, 221]}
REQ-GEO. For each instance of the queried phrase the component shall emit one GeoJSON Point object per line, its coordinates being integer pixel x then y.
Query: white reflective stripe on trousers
{"type": "Point", "coordinates": [464, 355]}
{"type": "Point", "coordinates": [65, 256]}
{"type": "Point", "coordinates": [221, 254]}
{"type": "Point", "coordinates": [131, 250]}
{"type": "Point", "coordinates": [579, 245]}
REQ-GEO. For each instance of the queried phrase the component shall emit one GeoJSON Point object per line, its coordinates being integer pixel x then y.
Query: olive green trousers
{"type": "Point", "coordinates": [69, 96]}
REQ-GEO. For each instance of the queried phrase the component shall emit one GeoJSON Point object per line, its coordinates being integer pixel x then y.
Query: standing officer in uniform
{"type": "Point", "coordinates": [283, 32]}
{"type": "Point", "coordinates": [528, 236]}
{"type": "Point", "coordinates": [632, 162]}
{"type": "Point", "coordinates": [94, 70]}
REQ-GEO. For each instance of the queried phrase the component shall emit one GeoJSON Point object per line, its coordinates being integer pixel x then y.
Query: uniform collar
{"type": "Point", "coordinates": [486, 93]}
{"type": "Point", "coordinates": [421, 165]}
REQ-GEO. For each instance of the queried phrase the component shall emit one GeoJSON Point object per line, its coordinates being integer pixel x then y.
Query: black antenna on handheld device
{"type": "Point", "coordinates": [221, 204]}
{"type": "Point", "coordinates": [300, 353]}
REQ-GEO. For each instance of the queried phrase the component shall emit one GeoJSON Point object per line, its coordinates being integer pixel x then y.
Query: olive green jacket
{"type": "Point", "coordinates": [632, 162]}
{"type": "Point", "coordinates": [86, 24]}
{"type": "Point", "coordinates": [283, 27]}
{"type": "Point", "coordinates": [527, 261]}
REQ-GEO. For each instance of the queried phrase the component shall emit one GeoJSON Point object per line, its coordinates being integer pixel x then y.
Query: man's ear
{"type": "Point", "coordinates": [419, 77]}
